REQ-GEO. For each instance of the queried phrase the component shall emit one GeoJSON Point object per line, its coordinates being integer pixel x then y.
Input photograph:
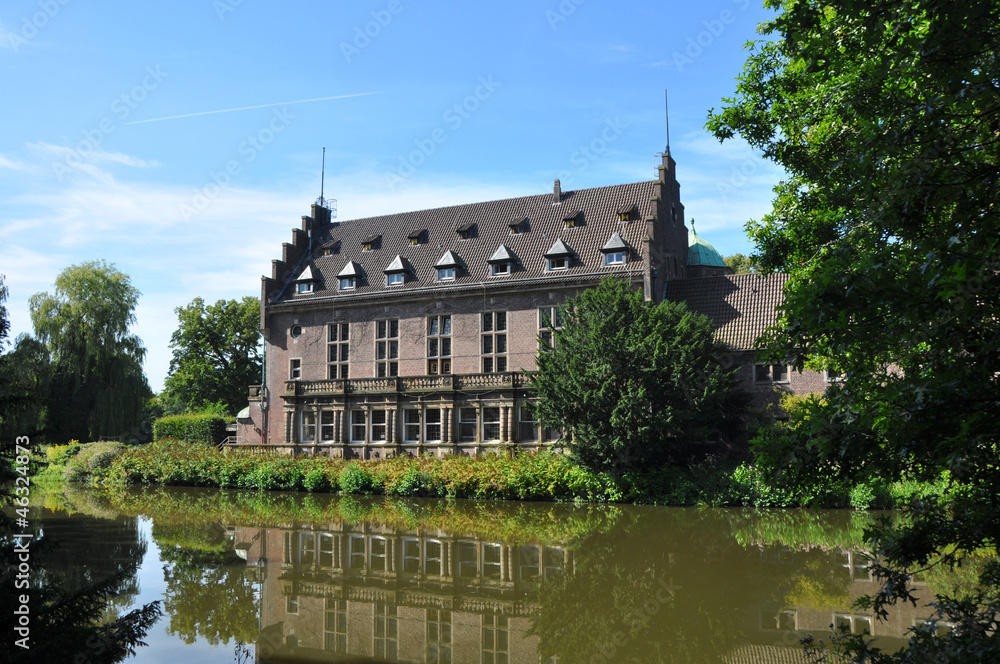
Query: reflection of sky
{"type": "Point", "coordinates": [163, 647]}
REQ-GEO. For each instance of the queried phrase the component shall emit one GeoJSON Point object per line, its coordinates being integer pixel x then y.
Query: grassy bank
{"type": "Point", "coordinates": [541, 476]}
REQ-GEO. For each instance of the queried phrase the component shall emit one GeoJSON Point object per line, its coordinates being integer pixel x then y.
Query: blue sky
{"type": "Point", "coordinates": [420, 105]}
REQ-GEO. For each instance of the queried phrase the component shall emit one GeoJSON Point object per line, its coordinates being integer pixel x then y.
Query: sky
{"type": "Point", "coordinates": [183, 141]}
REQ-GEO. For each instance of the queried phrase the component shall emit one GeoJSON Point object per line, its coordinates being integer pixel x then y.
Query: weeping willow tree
{"type": "Point", "coordinates": [98, 387]}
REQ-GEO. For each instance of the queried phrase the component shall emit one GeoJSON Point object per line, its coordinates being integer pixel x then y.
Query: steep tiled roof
{"type": "Point", "coordinates": [741, 306]}
{"type": "Point", "coordinates": [490, 223]}
{"type": "Point", "coordinates": [558, 248]}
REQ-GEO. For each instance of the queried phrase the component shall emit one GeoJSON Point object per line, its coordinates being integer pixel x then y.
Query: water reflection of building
{"type": "Point", "coordinates": [408, 596]}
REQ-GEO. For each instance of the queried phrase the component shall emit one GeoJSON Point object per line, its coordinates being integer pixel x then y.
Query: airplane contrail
{"type": "Point", "coordinates": [247, 108]}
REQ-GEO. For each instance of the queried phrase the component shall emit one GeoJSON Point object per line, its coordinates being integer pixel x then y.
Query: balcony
{"type": "Point", "coordinates": [403, 384]}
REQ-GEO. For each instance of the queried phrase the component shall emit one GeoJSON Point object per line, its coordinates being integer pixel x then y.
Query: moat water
{"type": "Point", "coordinates": [277, 577]}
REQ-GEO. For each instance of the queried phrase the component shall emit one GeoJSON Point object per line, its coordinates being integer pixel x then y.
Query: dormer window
{"type": "Point", "coordinates": [371, 242]}
{"type": "Point", "coordinates": [329, 248]}
{"type": "Point", "coordinates": [446, 274]}
{"type": "Point", "coordinates": [559, 256]}
{"type": "Point", "coordinates": [615, 250]}
{"type": "Point", "coordinates": [417, 237]}
{"type": "Point", "coordinates": [465, 231]}
{"type": "Point", "coordinates": [627, 212]}
{"type": "Point", "coordinates": [501, 262]}
{"type": "Point", "coordinates": [348, 277]}
{"type": "Point", "coordinates": [305, 282]}
{"type": "Point", "coordinates": [573, 220]}
{"type": "Point", "coordinates": [447, 266]}
{"type": "Point", "coordinates": [518, 227]}
{"type": "Point", "coordinates": [395, 274]}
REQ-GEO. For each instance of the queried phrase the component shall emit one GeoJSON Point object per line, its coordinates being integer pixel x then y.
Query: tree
{"type": "Point", "coordinates": [217, 354]}
{"type": "Point", "coordinates": [632, 384]}
{"type": "Point", "coordinates": [739, 263]}
{"type": "Point", "coordinates": [886, 117]}
{"type": "Point", "coordinates": [98, 386]}
{"type": "Point", "coordinates": [24, 379]}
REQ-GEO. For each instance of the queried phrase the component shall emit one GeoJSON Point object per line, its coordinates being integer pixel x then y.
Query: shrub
{"type": "Point", "coordinates": [317, 479]}
{"type": "Point", "coordinates": [411, 483]}
{"type": "Point", "coordinates": [356, 479]}
{"type": "Point", "coordinates": [201, 428]}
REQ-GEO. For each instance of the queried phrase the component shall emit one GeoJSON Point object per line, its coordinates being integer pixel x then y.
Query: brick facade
{"type": "Point", "coordinates": [373, 351]}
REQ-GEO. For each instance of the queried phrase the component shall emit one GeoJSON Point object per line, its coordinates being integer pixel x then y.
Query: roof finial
{"type": "Point", "coordinates": [666, 105]}
{"type": "Point", "coordinates": [322, 176]}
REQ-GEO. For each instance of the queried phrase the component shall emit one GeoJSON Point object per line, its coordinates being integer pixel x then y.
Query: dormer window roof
{"type": "Point", "coordinates": [558, 249]}
{"type": "Point", "coordinates": [371, 242]}
{"type": "Point", "coordinates": [519, 226]}
{"type": "Point", "coordinates": [627, 212]}
{"type": "Point", "coordinates": [449, 260]}
{"type": "Point", "coordinates": [306, 281]}
{"type": "Point", "coordinates": [615, 244]}
{"type": "Point", "coordinates": [501, 255]}
{"type": "Point", "coordinates": [398, 264]}
{"type": "Point", "coordinates": [417, 236]}
{"type": "Point", "coordinates": [350, 270]}
{"type": "Point", "coordinates": [306, 275]}
{"type": "Point", "coordinates": [573, 220]}
{"type": "Point", "coordinates": [465, 230]}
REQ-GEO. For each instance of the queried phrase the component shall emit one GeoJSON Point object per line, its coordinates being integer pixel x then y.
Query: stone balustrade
{"type": "Point", "coordinates": [506, 380]}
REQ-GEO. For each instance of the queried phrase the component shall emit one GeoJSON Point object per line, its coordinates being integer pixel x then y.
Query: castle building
{"type": "Point", "coordinates": [411, 333]}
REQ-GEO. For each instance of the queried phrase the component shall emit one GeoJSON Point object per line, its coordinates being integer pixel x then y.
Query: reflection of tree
{"type": "Point", "coordinates": [665, 586]}
{"type": "Point", "coordinates": [208, 593]}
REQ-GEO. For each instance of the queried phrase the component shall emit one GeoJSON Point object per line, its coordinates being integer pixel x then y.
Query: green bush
{"type": "Point", "coordinates": [200, 428]}
{"type": "Point", "coordinates": [356, 479]}
{"type": "Point", "coordinates": [317, 479]}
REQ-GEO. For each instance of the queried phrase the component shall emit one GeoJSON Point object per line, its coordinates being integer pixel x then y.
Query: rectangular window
{"type": "Point", "coordinates": [439, 345]}
{"type": "Point", "coordinates": [494, 341]}
{"type": "Point", "coordinates": [491, 424]}
{"type": "Point", "coordinates": [495, 643]}
{"type": "Point", "coordinates": [432, 557]}
{"type": "Point", "coordinates": [446, 274]}
{"type": "Point", "coordinates": [294, 369]}
{"type": "Point", "coordinates": [614, 258]}
{"type": "Point", "coordinates": [378, 426]}
{"type": "Point", "coordinates": [438, 637]}
{"type": "Point", "coordinates": [394, 279]}
{"type": "Point", "coordinates": [325, 550]}
{"type": "Point", "coordinates": [411, 425]}
{"type": "Point", "coordinates": [491, 561]}
{"type": "Point", "coordinates": [335, 633]}
{"type": "Point", "coordinates": [386, 632]}
{"type": "Point", "coordinates": [387, 348]}
{"type": "Point", "coordinates": [432, 425]}
{"type": "Point", "coordinates": [308, 426]}
{"type": "Point", "coordinates": [468, 421]}
{"type": "Point", "coordinates": [770, 373]}
{"type": "Point", "coordinates": [357, 552]}
{"type": "Point", "coordinates": [338, 351]}
{"type": "Point", "coordinates": [326, 426]}
{"type": "Point", "coordinates": [348, 283]}
{"type": "Point", "coordinates": [468, 560]}
{"type": "Point", "coordinates": [527, 425]}
{"type": "Point", "coordinates": [500, 269]}
{"type": "Point", "coordinates": [529, 563]}
{"type": "Point", "coordinates": [560, 263]}
{"type": "Point", "coordinates": [411, 556]}
{"type": "Point", "coordinates": [377, 549]}
{"type": "Point", "coordinates": [306, 287]}
{"type": "Point", "coordinates": [359, 421]}
{"type": "Point", "coordinates": [549, 320]}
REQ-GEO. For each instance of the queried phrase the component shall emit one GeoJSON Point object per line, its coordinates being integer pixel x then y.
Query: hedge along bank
{"type": "Point", "coordinates": [210, 429]}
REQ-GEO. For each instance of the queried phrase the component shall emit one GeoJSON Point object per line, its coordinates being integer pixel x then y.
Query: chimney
{"type": "Point", "coordinates": [556, 193]}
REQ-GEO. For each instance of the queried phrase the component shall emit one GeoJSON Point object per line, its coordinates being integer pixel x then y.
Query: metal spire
{"type": "Point", "coordinates": [666, 105]}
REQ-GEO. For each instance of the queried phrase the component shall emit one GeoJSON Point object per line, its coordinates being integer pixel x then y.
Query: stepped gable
{"type": "Point", "coordinates": [740, 306]}
{"type": "Point", "coordinates": [492, 223]}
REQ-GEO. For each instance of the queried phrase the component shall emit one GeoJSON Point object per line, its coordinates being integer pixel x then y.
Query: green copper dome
{"type": "Point", "coordinates": [701, 252]}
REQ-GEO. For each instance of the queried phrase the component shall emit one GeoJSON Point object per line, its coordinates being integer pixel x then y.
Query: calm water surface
{"type": "Point", "coordinates": [324, 579]}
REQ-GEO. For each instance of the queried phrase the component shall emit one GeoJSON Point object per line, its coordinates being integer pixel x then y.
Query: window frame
{"type": "Point", "coordinates": [305, 426]}
{"type": "Point", "coordinates": [295, 368]}
{"type": "Point", "coordinates": [304, 287]}
{"type": "Point", "coordinates": [494, 334]}
{"type": "Point", "coordinates": [438, 361]}
{"type": "Point", "coordinates": [395, 279]}
{"type": "Point", "coordinates": [351, 283]}
{"type": "Point", "coordinates": [387, 346]}
{"type": "Point", "coordinates": [620, 260]}
{"type": "Point", "coordinates": [500, 269]}
{"type": "Point", "coordinates": [446, 274]}
{"type": "Point", "coordinates": [558, 263]}
{"type": "Point", "coordinates": [338, 350]}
